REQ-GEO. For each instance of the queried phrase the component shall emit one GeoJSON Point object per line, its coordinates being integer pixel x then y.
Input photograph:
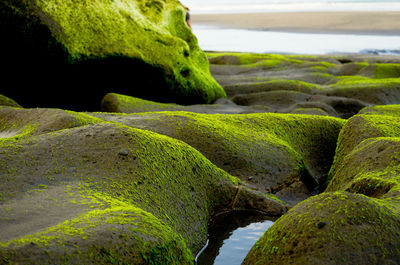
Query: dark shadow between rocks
{"type": "Point", "coordinates": [81, 86]}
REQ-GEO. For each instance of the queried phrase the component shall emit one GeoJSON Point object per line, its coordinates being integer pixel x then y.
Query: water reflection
{"type": "Point", "coordinates": [232, 236]}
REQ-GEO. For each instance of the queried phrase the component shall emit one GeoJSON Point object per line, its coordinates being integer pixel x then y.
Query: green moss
{"type": "Point", "coordinates": [374, 91]}
{"type": "Point", "coordinates": [387, 70]}
{"type": "Point", "coordinates": [16, 124]}
{"type": "Point", "coordinates": [355, 172]}
{"type": "Point", "coordinates": [133, 225]}
{"type": "Point", "coordinates": [83, 119]}
{"type": "Point", "coordinates": [353, 80]}
{"type": "Point", "coordinates": [389, 110]}
{"type": "Point", "coordinates": [255, 59]}
{"type": "Point", "coordinates": [340, 225]}
{"type": "Point", "coordinates": [108, 27]}
{"type": "Point", "coordinates": [150, 35]}
{"type": "Point", "coordinates": [268, 147]}
{"type": "Point", "coordinates": [362, 127]}
{"type": "Point", "coordinates": [5, 101]}
{"type": "Point", "coordinates": [142, 191]}
{"type": "Point", "coordinates": [328, 228]}
{"type": "Point", "coordinates": [120, 103]}
{"type": "Point", "coordinates": [310, 111]}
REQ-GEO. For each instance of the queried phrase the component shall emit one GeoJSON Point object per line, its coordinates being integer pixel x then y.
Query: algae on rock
{"type": "Point", "coordinates": [108, 193]}
{"type": "Point", "coordinates": [343, 84]}
{"type": "Point", "coordinates": [118, 103]}
{"type": "Point", "coordinates": [269, 151]}
{"type": "Point", "coordinates": [357, 219]}
{"type": "Point", "coordinates": [85, 50]}
{"type": "Point", "coordinates": [8, 102]}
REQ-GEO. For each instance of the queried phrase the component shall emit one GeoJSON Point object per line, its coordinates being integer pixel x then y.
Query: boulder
{"type": "Point", "coordinates": [368, 90]}
{"type": "Point", "coordinates": [283, 83]}
{"type": "Point", "coordinates": [366, 151]}
{"type": "Point", "coordinates": [85, 191]}
{"type": "Point", "coordinates": [357, 219]}
{"type": "Point", "coordinates": [70, 54]}
{"type": "Point", "coordinates": [5, 101]}
{"type": "Point", "coordinates": [114, 102]}
{"type": "Point", "coordinates": [269, 151]}
{"type": "Point", "coordinates": [388, 110]}
{"type": "Point", "coordinates": [332, 228]}
{"type": "Point", "coordinates": [22, 123]}
{"type": "Point", "coordinates": [360, 128]}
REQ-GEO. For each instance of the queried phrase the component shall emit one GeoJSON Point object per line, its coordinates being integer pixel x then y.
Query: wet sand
{"type": "Point", "coordinates": [374, 23]}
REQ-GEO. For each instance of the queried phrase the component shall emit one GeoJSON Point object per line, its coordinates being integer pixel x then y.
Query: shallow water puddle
{"type": "Point", "coordinates": [231, 238]}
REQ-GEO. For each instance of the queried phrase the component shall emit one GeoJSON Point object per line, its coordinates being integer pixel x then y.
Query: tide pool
{"type": "Point", "coordinates": [231, 237]}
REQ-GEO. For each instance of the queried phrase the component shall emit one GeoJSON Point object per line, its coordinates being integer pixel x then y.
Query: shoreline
{"type": "Point", "coordinates": [349, 22]}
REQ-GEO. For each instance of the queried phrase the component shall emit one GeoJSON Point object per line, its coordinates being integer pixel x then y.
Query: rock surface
{"type": "Point", "coordinates": [141, 186]}
{"type": "Point", "coordinates": [270, 151]}
{"type": "Point", "coordinates": [5, 101]}
{"type": "Point", "coordinates": [78, 190]}
{"type": "Point", "coordinates": [357, 219]}
{"type": "Point", "coordinates": [70, 54]}
{"type": "Point", "coordinates": [338, 86]}
{"type": "Point", "coordinates": [113, 102]}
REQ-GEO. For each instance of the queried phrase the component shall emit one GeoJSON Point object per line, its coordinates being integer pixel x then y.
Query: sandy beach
{"type": "Point", "coordinates": [374, 23]}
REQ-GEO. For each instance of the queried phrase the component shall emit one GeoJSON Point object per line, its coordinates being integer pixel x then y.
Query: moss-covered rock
{"type": "Point", "coordinates": [367, 150]}
{"type": "Point", "coordinates": [95, 192]}
{"type": "Point", "coordinates": [371, 168]}
{"type": "Point", "coordinates": [372, 91]}
{"type": "Point", "coordinates": [5, 101]}
{"type": "Point", "coordinates": [360, 128]}
{"type": "Point", "coordinates": [141, 48]}
{"type": "Point", "coordinates": [310, 111]}
{"type": "Point", "coordinates": [389, 110]}
{"type": "Point", "coordinates": [20, 123]}
{"type": "Point", "coordinates": [284, 82]}
{"type": "Point", "coordinates": [266, 86]}
{"type": "Point", "coordinates": [113, 102]}
{"type": "Point", "coordinates": [357, 219]}
{"type": "Point", "coordinates": [332, 228]}
{"type": "Point", "coordinates": [278, 99]}
{"type": "Point", "coordinates": [270, 151]}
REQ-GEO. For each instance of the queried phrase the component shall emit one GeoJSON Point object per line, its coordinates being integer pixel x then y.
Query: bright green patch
{"type": "Point", "coordinates": [389, 110]}
{"type": "Point", "coordinates": [387, 70]}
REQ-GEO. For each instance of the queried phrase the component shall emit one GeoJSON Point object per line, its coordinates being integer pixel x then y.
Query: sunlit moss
{"type": "Point", "coordinates": [142, 191]}
{"type": "Point", "coordinates": [363, 193]}
{"type": "Point", "coordinates": [151, 32]}
{"type": "Point", "coordinates": [390, 110]}
{"type": "Point", "coordinates": [387, 70]}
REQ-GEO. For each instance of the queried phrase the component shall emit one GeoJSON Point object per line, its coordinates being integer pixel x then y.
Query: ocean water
{"type": "Point", "coordinates": [252, 6]}
{"type": "Point", "coordinates": [240, 40]}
